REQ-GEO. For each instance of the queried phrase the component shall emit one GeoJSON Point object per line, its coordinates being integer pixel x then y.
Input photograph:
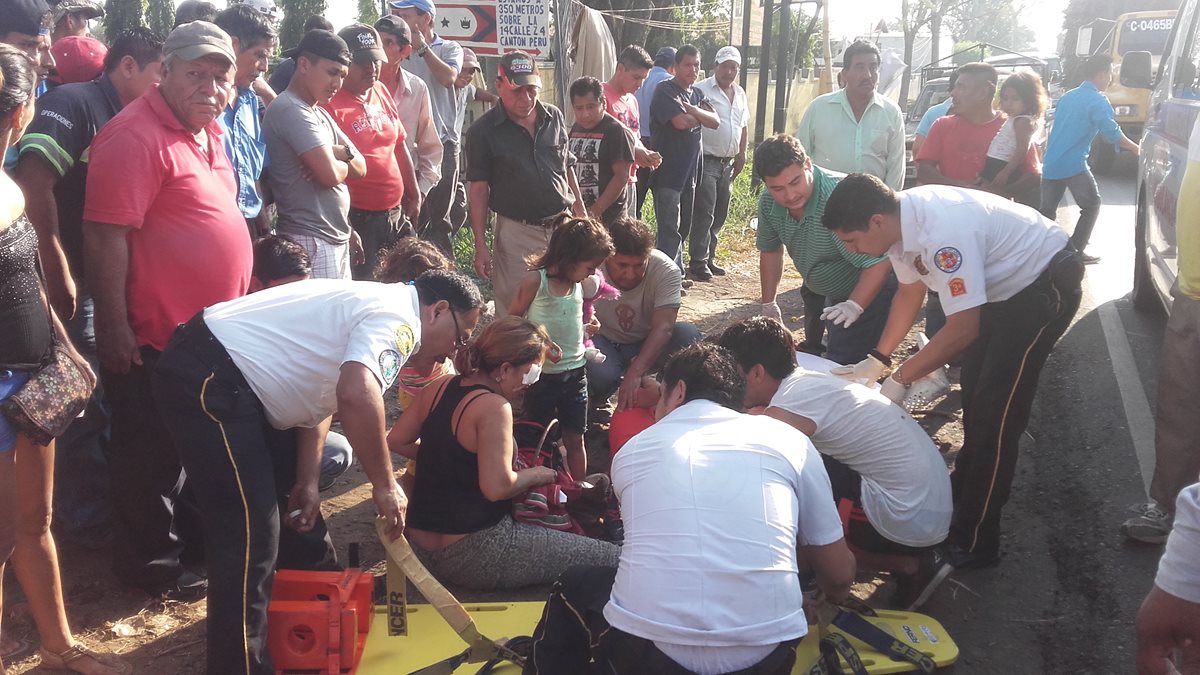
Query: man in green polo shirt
{"type": "Point", "coordinates": [848, 293]}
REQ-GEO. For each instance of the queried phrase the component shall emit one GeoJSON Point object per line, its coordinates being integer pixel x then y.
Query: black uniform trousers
{"type": "Point", "coordinates": [574, 637]}
{"type": "Point", "coordinates": [145, 478]}
{"type": "Point", "coordinates": [999, 379]}
{"type": "Point", "coordinates": [239, 467]}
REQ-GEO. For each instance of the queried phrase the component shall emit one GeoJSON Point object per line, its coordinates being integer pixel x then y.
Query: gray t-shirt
{"type": "Point", "coordinates": [293, 128]}
{"type": "Point", "coordinates": [445, 101]}
{"type": "Point", "coordinates": [627, 319]}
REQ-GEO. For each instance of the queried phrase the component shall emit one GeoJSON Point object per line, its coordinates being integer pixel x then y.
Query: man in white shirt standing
{"type": "Point", "coordinates": [857, 128]}
{"type": "Point", "coordinates": [889, 480]}
{"type": "Point", "coordinates": [724, 157]}
{"type": "Point", "coordinates": [718, 506]}
{"type": "Point", "coordinates": [437, 62]}
{"type": "Point", "coordinates": [1010, 284]}
{"type": "Point", "coordinates": [412, 102]}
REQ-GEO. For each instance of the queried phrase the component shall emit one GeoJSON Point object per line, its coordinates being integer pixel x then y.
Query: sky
{"type": "Point", "coordinates": [854, 17]}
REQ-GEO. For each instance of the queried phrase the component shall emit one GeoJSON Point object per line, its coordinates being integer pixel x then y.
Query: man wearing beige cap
{"type": "Point", "coordinates": [518, 166]}
{"type": "Point", "coordinates": [163, 238]}
{"type": "Point", "coordinates": [71, 18]}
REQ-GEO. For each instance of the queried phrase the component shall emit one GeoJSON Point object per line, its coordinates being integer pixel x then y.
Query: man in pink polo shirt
{"type": "Point", "coordinates": [365, 111]}
{"type": "Point", "coordinates": [163, 239]}
{"type": "Point", "coordinates": [633, 64]}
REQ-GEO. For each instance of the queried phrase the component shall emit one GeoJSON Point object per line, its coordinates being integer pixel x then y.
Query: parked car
{"type": "Point", "coordinates": [1174, 103]}
{"type": "Point", "coordinates": [933, 93]}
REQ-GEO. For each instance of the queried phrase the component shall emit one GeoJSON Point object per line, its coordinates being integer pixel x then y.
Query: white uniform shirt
{"type": "Point", "coordinates": [1179, 568]}
{"type": "Point", "coordinates": [905, 484]}
{"type": "Point", "coordinates": [972, 247]}
{"type": "Point", "coordinates": [290, 341]}
{"type": "Point", "coordinates": [715, 503]}
{"type": "Point", "coordinates": [725, 140]}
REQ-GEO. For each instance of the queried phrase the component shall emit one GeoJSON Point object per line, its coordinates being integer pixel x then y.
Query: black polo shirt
{"type": "Point", "coordinates": [527, 176]}
{"type": "Point", "coordinates": [67, 120]}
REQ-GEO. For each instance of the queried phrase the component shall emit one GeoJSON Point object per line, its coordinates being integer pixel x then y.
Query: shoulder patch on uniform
{"type": "Point", "coordinates": [920, 265]}
{"type": "Point", "coordinates": [948, 259]}
{"type": "Point", "coordinates": [405, 340]}
{"type": "Point", "coordinates": [957, 287]}
{"type": "Point", "coordinates": [389, 366]}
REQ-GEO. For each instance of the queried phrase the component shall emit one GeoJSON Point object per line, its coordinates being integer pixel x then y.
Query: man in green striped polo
{"type": "Point", "coordinates": [847, 293]}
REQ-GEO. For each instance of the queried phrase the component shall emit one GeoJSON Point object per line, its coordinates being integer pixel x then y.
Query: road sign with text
{"type": "Point", "coordinates": [496, 26]}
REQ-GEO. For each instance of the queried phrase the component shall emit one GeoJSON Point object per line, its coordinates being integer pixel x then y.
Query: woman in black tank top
{"type": "Point", "coordinates": [26, 342]}
{"type": "Point", "coordinates": [460, 430]}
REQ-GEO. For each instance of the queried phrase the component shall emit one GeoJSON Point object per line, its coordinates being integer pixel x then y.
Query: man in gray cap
{"type": "Point", "coordinates": [163, 239]}
{"type": "Point", "coordinates": [71, 18]}
{"type": "Point", "coordinates": [311, 158]}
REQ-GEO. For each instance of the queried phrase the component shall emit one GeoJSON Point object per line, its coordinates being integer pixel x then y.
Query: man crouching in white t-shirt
{"type": "Point", "coordinates": [890, 482]}
{"type": "Point", "coordinates": [719, 507]}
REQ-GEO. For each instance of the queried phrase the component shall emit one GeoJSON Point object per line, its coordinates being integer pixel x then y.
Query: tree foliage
{"type": "Point", "coordinates": [994, 21]}
{"type": "Point", "coordinates": [160, 16]}
{"type": "Point", "coordinates": [915, 15]}
{"type": "Point", "coordinates": [295, 13]}
{"type": "Point", "coordinates": [368, 12]}
{"type": "Point", "coordinates": [121, 15]}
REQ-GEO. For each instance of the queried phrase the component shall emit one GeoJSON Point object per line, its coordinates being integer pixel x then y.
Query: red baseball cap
{"type": "Point", "coordinates": [78, 59]}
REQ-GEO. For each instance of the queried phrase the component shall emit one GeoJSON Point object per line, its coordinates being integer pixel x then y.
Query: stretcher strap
{"type": "Point", "coordinates": [856, 626]}
{"type": "Point", "coordinates": [480, 648]}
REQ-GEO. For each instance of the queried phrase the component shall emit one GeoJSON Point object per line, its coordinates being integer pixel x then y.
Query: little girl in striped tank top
{"type": "Point", "coordinates": [551, 295]}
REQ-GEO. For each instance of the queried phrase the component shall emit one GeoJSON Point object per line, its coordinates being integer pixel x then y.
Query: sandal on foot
{"type": "Point", "coordinates": [69, 660]}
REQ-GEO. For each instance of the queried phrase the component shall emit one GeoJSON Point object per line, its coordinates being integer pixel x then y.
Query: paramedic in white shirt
{"type": "Point", "coordinates": [1170, 615]}
{"type": "Point", "coordinates": [1009, 281]}
{"type": "Point", "coordinates": [241, 373]}
{"type": "Point", "coordinates": [719, 509]}
{"type": "Point", "coordinates": [889, 481]}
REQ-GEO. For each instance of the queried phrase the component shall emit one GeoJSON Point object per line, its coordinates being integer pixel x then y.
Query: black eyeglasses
{"type": "Point", "coordinates": [460, 342]}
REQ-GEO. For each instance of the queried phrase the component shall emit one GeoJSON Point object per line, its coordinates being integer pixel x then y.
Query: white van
{"type": "Point", "coordinates": [1174, 104]}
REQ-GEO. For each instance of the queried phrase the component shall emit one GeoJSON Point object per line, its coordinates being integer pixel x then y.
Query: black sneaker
{"type": "Point", "coordinates": [701, 273]}
{"type": "Point", "coordinates": [970, 560]}
{"type": "Point", "coordinates": [914, 590]}
{"type": "Point", "coordinates": [187, 587]}
{"type": "Point", "coordinates": [686, 283]}
{"type": "Point", "coordinates": [717, 271]}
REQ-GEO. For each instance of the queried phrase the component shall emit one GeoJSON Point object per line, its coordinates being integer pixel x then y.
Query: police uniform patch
{"type": "Point", "coordinates": [957, 287]}
{"type": "Point", "coordinates": [389, 366]}
{"type": "Point", "coordinates": [920, 265]}
{"type": "Point", "coordinates": [405, 340]}
{"type": "Point", "coordinates": [948, 259]}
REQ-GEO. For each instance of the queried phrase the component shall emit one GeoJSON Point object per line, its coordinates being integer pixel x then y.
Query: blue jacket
{"type": "Point", "coordinates": [1081, 113]}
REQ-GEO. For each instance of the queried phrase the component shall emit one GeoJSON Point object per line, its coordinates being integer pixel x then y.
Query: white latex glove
{"type": "Point", "coordinates": [868, 369]}
{"type": "Point", "coordinates": [894, 390]}
{"type": "Point", "coordinates": [843, 313]}
{"type": "Point", "coordinates": [771, 311]}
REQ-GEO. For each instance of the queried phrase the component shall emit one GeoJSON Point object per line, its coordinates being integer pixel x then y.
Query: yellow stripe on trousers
{"type": "Point", "coordinates": [1004, 419]}
{"type": "Point", "coordinates": [245, 513]}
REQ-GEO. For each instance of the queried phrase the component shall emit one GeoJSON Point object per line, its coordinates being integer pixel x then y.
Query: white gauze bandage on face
{"type": "Point", "coordinates": [534, 374]}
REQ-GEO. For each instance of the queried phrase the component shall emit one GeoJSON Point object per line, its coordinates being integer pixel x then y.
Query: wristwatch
{"type": "Point", "coordinates": [349, 152]}
{"type": "Point", "coordinates": [422, 50]}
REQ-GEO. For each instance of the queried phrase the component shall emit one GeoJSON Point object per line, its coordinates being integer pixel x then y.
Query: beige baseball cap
{"type": "Point", "coordinates": [197, 39]}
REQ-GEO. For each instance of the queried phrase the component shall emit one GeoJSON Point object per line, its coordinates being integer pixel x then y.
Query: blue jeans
{"type": "Point", "coordinates": [336, 459]}
{"type": "Point", "coordinates": [712, 208]}
{"type": "Point", "coordinates": [1087, 195]}
{"type": "Point", "coordinates": [604, 378]}
{"type": "Point", "coordinates": [850, 345]}
{"type": "Point", "coordinates": [673, 213]}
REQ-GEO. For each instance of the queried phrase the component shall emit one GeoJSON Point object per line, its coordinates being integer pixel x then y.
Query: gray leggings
{"type": "Point", "coordinates": [511, 554]}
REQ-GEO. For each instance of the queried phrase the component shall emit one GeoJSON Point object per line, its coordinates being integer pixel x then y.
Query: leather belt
{"type": "Point", "coordinates": [722, 160]}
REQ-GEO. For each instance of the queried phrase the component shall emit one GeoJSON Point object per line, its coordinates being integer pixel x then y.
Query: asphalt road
{"type": "Point", "coordinates": [1065, 596]}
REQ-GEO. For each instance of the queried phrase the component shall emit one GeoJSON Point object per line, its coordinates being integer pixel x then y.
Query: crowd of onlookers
{"type": "Point", "coordinates": [203, 229]}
